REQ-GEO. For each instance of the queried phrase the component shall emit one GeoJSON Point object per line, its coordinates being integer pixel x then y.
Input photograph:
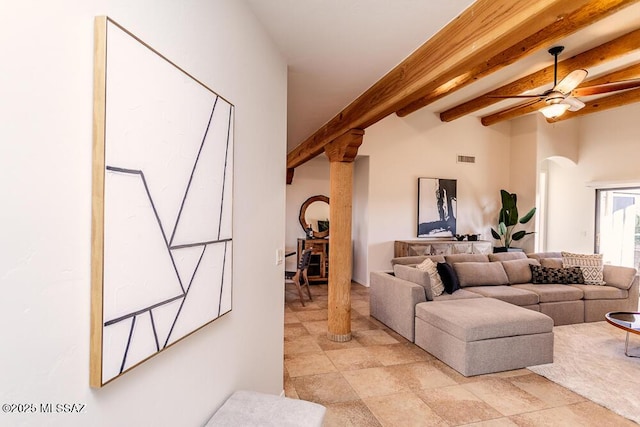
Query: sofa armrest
{"type": "Point", "coordinates": [619, 277]}
{"type": "Point", "coordinates": [393, 302]}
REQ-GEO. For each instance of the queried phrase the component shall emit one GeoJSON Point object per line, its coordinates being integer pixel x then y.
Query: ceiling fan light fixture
{"type": "Point", "coordinates": [553, 111]}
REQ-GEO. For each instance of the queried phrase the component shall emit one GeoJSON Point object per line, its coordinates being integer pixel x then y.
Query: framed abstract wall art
{"type": "Point", "coordinates": [437, 205]}
{"type": "Point", "coordinates": [161, 263]}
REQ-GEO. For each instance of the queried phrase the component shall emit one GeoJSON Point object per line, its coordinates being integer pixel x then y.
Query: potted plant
{"type": "Point", "coordinates": [507, 221]}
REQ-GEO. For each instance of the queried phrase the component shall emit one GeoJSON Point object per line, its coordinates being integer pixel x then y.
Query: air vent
{"type": "Point", "coordinates": [466, 159]}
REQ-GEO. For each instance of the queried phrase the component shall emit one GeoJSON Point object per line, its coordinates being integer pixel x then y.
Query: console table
{"type": "Point", "coordinates": [318, 270]}
{"type": "Point", "coordinates": [441, 247]}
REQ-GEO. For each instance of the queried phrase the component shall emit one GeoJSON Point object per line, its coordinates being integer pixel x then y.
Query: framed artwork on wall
{"type": "Point", "coordinates": [437, 207]}
{"type": "Point", "coordinates": [161, 263]}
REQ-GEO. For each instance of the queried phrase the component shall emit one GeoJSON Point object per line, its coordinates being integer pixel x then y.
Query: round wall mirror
{"type": "Point", "coordinates": [314, 212]}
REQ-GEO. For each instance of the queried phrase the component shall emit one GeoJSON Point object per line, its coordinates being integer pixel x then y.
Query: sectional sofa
{"type": "Point", "coordinates": [498, 314]}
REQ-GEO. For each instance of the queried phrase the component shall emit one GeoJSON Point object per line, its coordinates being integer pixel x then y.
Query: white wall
{"type": "Point", "coordinates": [45, 159]}
{"type": "Point", "coordinates": [609, 143]}
{"type": "Point", "coordinates": [360, 225]}
{"type": "Point", "coordinates": [401, 150]}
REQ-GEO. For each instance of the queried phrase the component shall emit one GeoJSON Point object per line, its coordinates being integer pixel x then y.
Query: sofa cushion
{"type": "Point", "coordinates": [480, 274]}
{"type": "Point", "coordinates": [482, 318]}
{"type": "Point", "coordinates": [551, 262]}
{"type": "Point", "coordinates": [437, 287]}
{"type": "Point", "coordinates": [553, 293]}
{"type": "Point", "coordinates": [508, 294]}
{"type": "Point", "coordinates": [449, 277]}
{"type": "Point", "coordinates": [459, 294]}
{"type": "Point", "coordinates": [618, 276]}
{"type": "Point", "coordinates": [406, 260]}
{"type": "Point", "coordinates": [518, 270]}
{"type": "Point", "coordinates": [452, 259]}
{"type": "Point", "coordinates": [591, 265]}
{"type": "Point", "coordinates": [540, 255]}
{"type": "Point", "coordinates": [412, 274]}
{"type": "Point", "coordinates": [602, 292]}
{"type": "Point", "coordinates": [506, 256]}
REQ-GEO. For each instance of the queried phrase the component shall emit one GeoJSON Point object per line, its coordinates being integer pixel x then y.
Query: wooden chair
{"type": "Point", "coordinates": [300, 278]}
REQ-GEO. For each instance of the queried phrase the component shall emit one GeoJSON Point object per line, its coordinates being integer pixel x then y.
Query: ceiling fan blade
{"type": "Point", "coordinates": [570, 81]}
{"type": "Point", "coordinates": [516, 96]}
{"type": "Point", "coordinates": [606, 88]}
{"type": "Point", "coordinates": [574, 103]}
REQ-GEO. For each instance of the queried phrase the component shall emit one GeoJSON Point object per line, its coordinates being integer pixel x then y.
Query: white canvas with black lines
{"type": "Point", "coordinates": [168, 150]}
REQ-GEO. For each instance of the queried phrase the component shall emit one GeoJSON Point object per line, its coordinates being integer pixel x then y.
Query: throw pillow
{"type": "Point", "coordinates": [412, 274]}
{"type": "Point", "coordinates": [545, 275]}
{"type": "Point", "coordinates": [573, 275]}
{"type": "Point", "coordinates": [591, 265]}
{"type": "Point", "coordinates": [437, 287]}
{"type": "Point", "coordinates": [449, 277]}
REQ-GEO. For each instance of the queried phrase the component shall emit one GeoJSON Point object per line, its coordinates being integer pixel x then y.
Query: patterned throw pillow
{"type": "Point", "coordinates": [573, 275]}
{"type": "Point", "coordinates": [546, 275]}
{"type": "Point", "coordinates": [430, 267]}
{"type": "Point", "coordinates": [591, 265]}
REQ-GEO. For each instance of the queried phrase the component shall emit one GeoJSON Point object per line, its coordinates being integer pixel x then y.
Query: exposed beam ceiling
{"type": "Point", "coordinates": [631, 72]}
{"type": "Point", "coordinates": [548, 35]}
{"type": "Point", "coordinates": [487, 29]}
{"type": "Point", "coordinates": [593, 57]}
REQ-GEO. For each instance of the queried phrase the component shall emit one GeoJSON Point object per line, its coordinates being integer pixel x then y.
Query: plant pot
{"type": "Point", "coordinates": [499, 249]}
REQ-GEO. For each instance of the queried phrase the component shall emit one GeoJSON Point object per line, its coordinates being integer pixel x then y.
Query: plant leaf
{"type": "Point", "coordinates": [502, 229]}
{"type": "Point", "coordinates": [518, 235]}
{"type": "Point", "coordinates": [495, 234]}
{"type": "Point", "coordinates": [528, 216]}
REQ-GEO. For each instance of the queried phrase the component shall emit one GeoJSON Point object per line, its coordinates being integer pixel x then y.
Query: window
{"type": "Point", "coordinates": [618, 225]}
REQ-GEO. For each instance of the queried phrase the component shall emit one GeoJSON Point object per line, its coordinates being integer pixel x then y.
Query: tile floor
{"type": "Point", "coordinates": [381, 379]}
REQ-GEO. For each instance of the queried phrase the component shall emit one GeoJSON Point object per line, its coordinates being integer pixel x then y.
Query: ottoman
{"type": "Point", "coordinates": [484, 335]}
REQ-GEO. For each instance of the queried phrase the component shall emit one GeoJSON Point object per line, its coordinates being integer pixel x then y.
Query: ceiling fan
{"type": "Point", "coordinates": [562, 96]}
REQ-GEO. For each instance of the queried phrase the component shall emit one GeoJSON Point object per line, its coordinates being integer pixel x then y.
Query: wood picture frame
{"type": "Point", "coordinates": [162, 234]}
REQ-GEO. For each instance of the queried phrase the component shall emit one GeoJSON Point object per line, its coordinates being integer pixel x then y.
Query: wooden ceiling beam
{"type": "Point", "coordinates": [453, 80]}
{"type": "Point", "coordinates": [596, 56]}
{"type": "Point", "coordinates": [483, 30]}
{"type": "Point", "coordinates": [627, 73]}
{"type": "Point", "coordinates": [601, 104]}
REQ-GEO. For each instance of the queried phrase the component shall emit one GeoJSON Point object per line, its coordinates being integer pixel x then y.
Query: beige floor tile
{"type": "Point", "coordinates": [499, 422]}
{"type": "Point", "coordinates": [325, 389]}
{"type": "Point", "coordinates": [361, 323]}
{"type": "Point", "coordinates": [396, 354]}
{"type": "Point", "coordinates": [290, 317]}
{"type": "Point", "coordinates": [349, 359]}
{"type": "Point", "coordinates": [586, 414]}
{"type": "Point", "coordinates": [457, 405]}
{"type": "Point", "coordinates": [316, 327]}
{"type": "Point", "coordinates": [350, 414]}
{"type": "Point", "coordinates": [374, 382]}
{"type": "Point", "coordinates": [403, 409]}
{"type": "Point", "coordinates": [310, 315]}
{"type": "Point", "coordinates": [326, 344]}
{"type": "Point", "coordinates": [374, 337]}
{"type": "Point", "coordinates": [505, 397]}
{"type": "Point", "coordinates": [308, 364]}
{"type": "Point", "coordinates": [419, 376]}
{"type": "Point", "coordinates": [301, 344]}
{"type": "Point", "coordinates": [545, 390]}
{"type": "Point", "coordinates": [294, 330]}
